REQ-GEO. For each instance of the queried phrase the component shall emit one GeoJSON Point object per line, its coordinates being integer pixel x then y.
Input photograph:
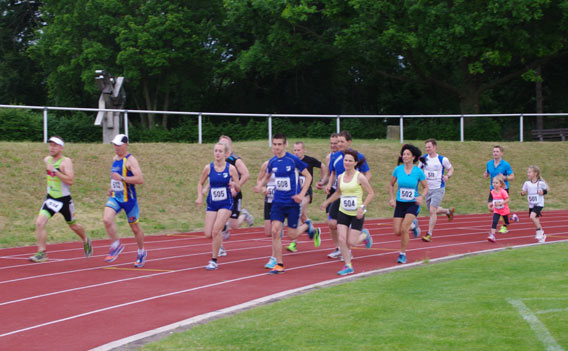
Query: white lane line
{"type": "Point", "coordinates": [536, 325]}
{"type": "Point", "coordinates": [553, 310]}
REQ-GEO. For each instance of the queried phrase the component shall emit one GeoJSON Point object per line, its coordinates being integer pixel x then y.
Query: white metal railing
{"type": "Point", "coordinates": [270, 116]}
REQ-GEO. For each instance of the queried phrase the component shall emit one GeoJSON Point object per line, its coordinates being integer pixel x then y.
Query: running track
{"type": "Point", "coordinates": [74, 303]}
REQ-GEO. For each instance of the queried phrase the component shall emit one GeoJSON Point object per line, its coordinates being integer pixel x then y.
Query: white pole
{"type": "Point", "coordinates": [461, 129]}
{"type": "Point", "coordinates": [338, 125]}
{"type": "Point", "coordinates": [401, 130]}
{"type": "Point", "coordinates": [45, 124]}
{"type": "Point", "coordinates": [126, 123]}
{"type": "Point", "coordinates": [269, 130]}
{"type": "Point", "coordinates": [199, 131]}
{"type": "Point", "coordinates": [521, 128]}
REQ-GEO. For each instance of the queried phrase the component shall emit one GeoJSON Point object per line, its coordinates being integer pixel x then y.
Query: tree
{"type": "Point", "coordinates": [461, 46]}
{"type": "Point", "coordinates": [165, 50]}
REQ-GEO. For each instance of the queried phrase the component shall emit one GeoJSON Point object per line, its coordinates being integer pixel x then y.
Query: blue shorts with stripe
{"type": "Point", "coordinates": [130, 208]}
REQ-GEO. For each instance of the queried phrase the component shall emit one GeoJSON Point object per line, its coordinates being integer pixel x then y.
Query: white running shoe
{"type": "Point", "coordinates": [491, 238]}
{"type": "Point", "coordinates": [540, 236]}
{"type": "Point", "coordinates": [335, 254]}
{"type": "Point", "coordinates": [211, 266]}
{"type": "Point", "coordinates": [248, 217]}
{"type": "Point", "coordinates": [222, 252]}
{"type": "Point", "coordinates": [515, 218]}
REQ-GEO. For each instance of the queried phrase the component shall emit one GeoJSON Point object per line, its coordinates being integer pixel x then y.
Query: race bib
{"type": "Point", "coordinates": [283, 184]}
{"type": "Point", "coordinates": [349, 203]}
{"type": "Point", "coordinates": [533, 199]}
{"type": "Point", "coordinates": [432, 175]}
{"type": "Point", "coordinates": [218, 194]}
{"type": "Point", "coordinates": [53, 205]}
{"type": "Point", "coordinates": [302, 181]}
{"type": "Point", "coordinates": [406, 194]}
{"type": "Point", "coordinates": [499, 204]}
{"type": "Point", "coordinates": [116, 185]}
{"type": "Point", "coordinates": [270, 193]}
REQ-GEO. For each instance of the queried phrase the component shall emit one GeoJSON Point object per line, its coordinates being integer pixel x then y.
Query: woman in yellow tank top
{"type": "Point", "coordinates": [352, 209]}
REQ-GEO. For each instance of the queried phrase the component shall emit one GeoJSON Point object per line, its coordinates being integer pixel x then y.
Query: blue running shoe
{"type": "Point", "coordinates": [416, 228]}
{"type": "Point", "coordinates": [141, 259]}
{"type": "Point", "coordinates": [271, 263]}
{"type": "Point", "coordinates": [113, 253]}
{"type": "Point", "coordinates": [368, 240]}
{"type": "Point", "coordinates": [401, 258]}
{"type": "Point", "coordinates": [310, 228]}
{"type": "Point", "coordinates": [346, 270]}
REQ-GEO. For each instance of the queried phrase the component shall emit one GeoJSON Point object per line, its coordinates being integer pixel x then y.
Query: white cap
{"type": "Point", "coordinates": [120, 139]}
{"type": "Point", "coordinates": [56, 140]}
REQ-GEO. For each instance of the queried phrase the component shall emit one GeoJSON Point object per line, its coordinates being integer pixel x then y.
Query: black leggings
{"type": "Point", "coordinates": [496, 217]}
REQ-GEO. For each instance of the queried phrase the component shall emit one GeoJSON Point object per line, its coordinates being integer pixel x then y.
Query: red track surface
{"type": "Point", "coordinates": [74, 303]}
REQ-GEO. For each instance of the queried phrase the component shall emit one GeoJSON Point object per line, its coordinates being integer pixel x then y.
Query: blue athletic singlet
{"type": "Point", "coordinates": [122, 191]}
{"type": "Point", "coordinates": [219, 191]}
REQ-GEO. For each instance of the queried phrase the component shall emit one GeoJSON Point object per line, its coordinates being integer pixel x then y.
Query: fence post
{"type": "Point", "coordinates": [401, 124]}
{"type": "Point", "coordinates": [269, 130]}
{"type": "Point", "coordinates": [338, 125]}
{"type": "Point", "coordinates": [126, 123]}
{"type": "Point", "coordinates": [199, 128]}
{"type": "Point", "coordinates": [521, 128]}
{"type": "Point", "coordinates": [461, 129]}
{"type": "Point", "coordinates": [45, 124]}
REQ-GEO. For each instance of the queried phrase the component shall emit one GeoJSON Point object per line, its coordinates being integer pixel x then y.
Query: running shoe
{"type": "Point", "coordinates": [515, 218]}
{"type": "Point", "coordinates": [277, 269]}
{"type": "Point", "coordinates": [40, 256]}
{"type": "Point", "coordinates": [346, 270]}
{"type": "Point", "coordinates": [503, 229]}
{"type": "Point", "coordinates": [310, 228]}
{"type": "Point", "coordinates": [222, 252]}
{"type": "Point", "coordinates": [540, 236]}
{"type": "Point", "coordinates": [248, 217]}
{"type": "Point", "coordinates": [450, 214]}
{"type": "Point", "coordinates": [226, 232]}
{"type": "Point", "coordinates": [271, 263]}
{"type": "Point", "coordinates": [416, 229]}
{"type": "Point", "coordinates": [542, 239]}
{"type": "Point", "coordinates": [317, 237]}
{"type": "Point", "coordinates": [211, 266]}
{"type": "Point", "coordinates": [401, 258]}
{"type": "Point", "coordinates": [88, 247]}
{"type": "Point", "coordinates": [427, 238]}
{"type": "Point", "coordinates": [335, 254]}
{"type": "Point", "coordinates": [491, 238]}
{"type": "Point", "coordinates": [292, 247]}
{"type": "Point", "coordinates": [113, 253]}
{"type": "Point", "coordinates": [141, 259]}
{"type": "Point", "coordinates": [350, 255]}
{"type": "Point", "coordinates": [368, 240]}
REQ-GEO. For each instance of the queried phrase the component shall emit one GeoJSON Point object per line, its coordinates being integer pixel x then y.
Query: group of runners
{"type": "Point", "coordinates": [286, 182]}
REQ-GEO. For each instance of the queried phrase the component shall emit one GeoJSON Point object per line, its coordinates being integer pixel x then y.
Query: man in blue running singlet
{"type": "Point", "coordinates": [125, 174]}
{"type": "Point", "coordinates": [287, 197]}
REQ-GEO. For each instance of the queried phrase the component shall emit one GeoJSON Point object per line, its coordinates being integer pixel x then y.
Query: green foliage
{"type": "Point", "coordinates": [20, 125]}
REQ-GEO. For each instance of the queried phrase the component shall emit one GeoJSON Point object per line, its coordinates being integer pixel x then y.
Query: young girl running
{"type": "Point", "coordinates": [352, 208]}
{"type": "Point", "coordinates": [535, 188]}
{"type": "Point", "coordinates": [500, 207]}
{"type": "Point", "coordinates": [222, 178]}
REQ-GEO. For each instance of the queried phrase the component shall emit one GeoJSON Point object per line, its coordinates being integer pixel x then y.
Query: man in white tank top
{"type": "Point", "coordinates": [438, 171]}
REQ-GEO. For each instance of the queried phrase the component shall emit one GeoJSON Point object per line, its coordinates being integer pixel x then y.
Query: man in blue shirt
{"type": "Point", "coordinates": [288, 195]}
{"type": "Point", "coordinates": [498, 166]}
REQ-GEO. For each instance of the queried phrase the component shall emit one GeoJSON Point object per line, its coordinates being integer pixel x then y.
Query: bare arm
{"type": "Point", "coordinates": [235, 184]}
{"type": "Point", "coordinates": [134, 168]}
{"type": "Point", "coordinates": [65, 172]}
{"type": "Point", "coordinates": [200, 183]}
{"type": "Point", "coordinates": [243, 171]}
{"type": "Point", "coordinates": [392, 202]}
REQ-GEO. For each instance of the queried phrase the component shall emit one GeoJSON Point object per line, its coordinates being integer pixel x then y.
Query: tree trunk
{"type": "Point", "coordinates": [538, 86]}
{"type": "Point", "coordinates": [149, 105]}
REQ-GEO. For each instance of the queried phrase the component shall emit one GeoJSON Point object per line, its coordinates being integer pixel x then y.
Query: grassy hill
{"type": "Point", "coordinates": [171, 172]}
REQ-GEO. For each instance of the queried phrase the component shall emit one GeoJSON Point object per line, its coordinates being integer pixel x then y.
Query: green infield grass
{"type": "Point", "coordinates": [475, 303]}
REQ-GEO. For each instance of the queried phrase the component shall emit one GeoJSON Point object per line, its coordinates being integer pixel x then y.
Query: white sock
{"type": "Point", "coordinates": [412, 225]}
{"type": "Point", "coordinates": [141, 251]}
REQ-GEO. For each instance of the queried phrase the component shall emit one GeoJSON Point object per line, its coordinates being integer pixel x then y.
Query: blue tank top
{"type": "Point", "coordinates": [219, 191]}
{"type": "Point", "coordinates": [121, 190]}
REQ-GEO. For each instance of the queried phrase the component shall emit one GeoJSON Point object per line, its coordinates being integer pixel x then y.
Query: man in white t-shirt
{"type": "Point", "coordinates": [438, 171]}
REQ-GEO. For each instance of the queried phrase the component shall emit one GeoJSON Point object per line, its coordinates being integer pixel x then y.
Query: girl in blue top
{"type": "Point", "coordinates": [223, 178]}
{"type": "Point", "coordinates": [408, 199]}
